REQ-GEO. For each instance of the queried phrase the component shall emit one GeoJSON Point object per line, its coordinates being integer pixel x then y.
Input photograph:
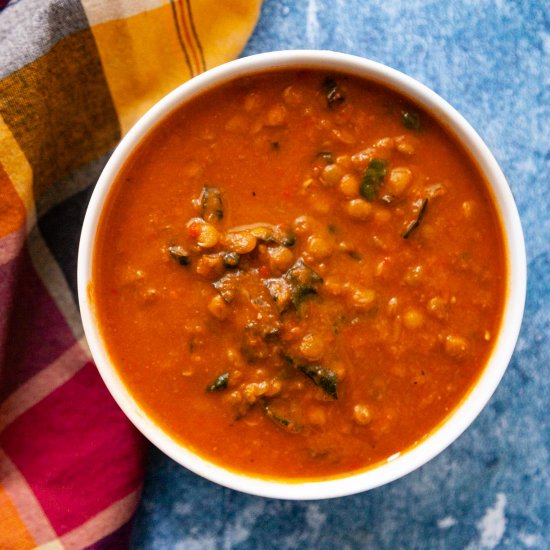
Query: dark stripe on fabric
{"type": "Point", "coordinates": [180, 38]}
{"type": "Point", "coordinates": [60, 228]}
{"type": "Point", "coordinates": [118, 539]}
{"type": "Point", "coordinates": [195, 34]}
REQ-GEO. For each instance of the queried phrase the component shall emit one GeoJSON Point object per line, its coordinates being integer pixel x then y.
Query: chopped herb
{"type": "Point", "coordinates": [332, 228]}
{"type": "Point", "coordinates": [219, 383]}
{"type": "Point", "coordinates": [179, 254]}
{"type": "Point", "coordinates": [231, 259]}
{"type": "Point", "coordinates": [415, 223]}
{"type": "Point", "coordinates": [333, 93]}
{"type": "Point", "coordinates": [325, 378]}
{"type": "Point", "coordinates": [411, 120]}
{"type": "Point", "coordinates": [302, 280]}
{"type": "Point", "coordinates": [326, 156]}
{"type": "Point", "coordinates": [373, 177]}
{"type": "Point", "coordinates": [275, 145]}
{"type": "Point", "coordinates": [355, 255]}
{"type": "Point", "coordinates": [281, 421]}
{"type": "Point", "coordinates": [211, 204]}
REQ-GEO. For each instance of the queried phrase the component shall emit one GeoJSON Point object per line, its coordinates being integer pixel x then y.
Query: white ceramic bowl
{"type": "Point", "coordinates": [460, 418]}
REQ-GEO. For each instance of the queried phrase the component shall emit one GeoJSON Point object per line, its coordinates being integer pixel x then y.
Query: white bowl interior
{"type": "Point", "coordinates": [458, 420]}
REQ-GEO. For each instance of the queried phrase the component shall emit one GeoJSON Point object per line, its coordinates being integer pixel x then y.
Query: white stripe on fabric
{"type": "Point", "coordinates": [30, 28]}
{"type": "Point", "coordinates": [99, 11]}
{"type": "Point", "coordinates": [44, 383]}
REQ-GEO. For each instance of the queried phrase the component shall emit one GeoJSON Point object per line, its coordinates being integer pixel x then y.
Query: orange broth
{"type": "Point", "coordinates": [299, 274]}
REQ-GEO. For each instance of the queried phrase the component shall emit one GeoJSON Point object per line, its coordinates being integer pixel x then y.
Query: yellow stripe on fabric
{"type": "Point", "coordinates": [223, 28]}
{"type": "Point", "coordinates": [142, 61]}
{"type": "Point", "coordinates": [13, 533]}
{"type": "Point", "coordinates": [19, 171]}
{"type": "Point", "coordinates": [147, 55]}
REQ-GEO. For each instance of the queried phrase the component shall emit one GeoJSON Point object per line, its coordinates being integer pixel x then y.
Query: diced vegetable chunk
{"type": "Point", "coordinates": [228, 286]}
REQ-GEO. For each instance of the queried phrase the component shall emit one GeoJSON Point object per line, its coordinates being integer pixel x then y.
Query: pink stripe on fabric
{"type": "Point", "coordinates": [43, 383]}
{"type": "Point", "coordinates": [25, 501]}
{"type": "Point", "coordinates": [103, 524]}
{"type": "Point", "coordinates": [11, 245]}
{"type": "Point", "coordinates": [36, 333]}
{"type": "Point", "coordinates": [8, 273]}
{"type": "Point", "coordinates": [77, 451]}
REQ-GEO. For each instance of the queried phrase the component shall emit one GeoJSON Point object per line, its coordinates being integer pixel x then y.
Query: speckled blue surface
{"type": "Point", "coordinates": [491, 488]}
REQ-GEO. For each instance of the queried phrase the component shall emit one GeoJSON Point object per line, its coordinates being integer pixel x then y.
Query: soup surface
{"type": "Point", "coordinates": [299, 274]}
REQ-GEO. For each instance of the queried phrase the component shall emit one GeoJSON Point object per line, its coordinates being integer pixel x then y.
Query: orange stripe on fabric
{"type": "Point", "coordinates": [103, 524]}
{"type": "Point", "coordinates": [23, 499]}
{"type": "Point", "coordinates": [189, 42]}
{"type": "Point", "coordinates": [195, 34]}
{"type": "Point", "coordinates": [13, 533]}
{"type": "Point", "coordinates": [12, 209]}
{"type": "Point", "coordinates": [18, 169]}
{"type": "Point", "coordinates": [181, 39]}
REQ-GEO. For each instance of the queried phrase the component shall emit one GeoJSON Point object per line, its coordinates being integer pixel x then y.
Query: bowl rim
{"type": "Point", "coordinates": [458, 420]}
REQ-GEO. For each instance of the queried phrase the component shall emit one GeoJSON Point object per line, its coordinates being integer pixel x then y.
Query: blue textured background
{"type": "Point", "coordinates": [491, 488]}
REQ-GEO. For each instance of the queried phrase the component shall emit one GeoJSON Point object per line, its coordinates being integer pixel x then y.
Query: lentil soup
{"type": "Point", "coordinates": [299, 274]}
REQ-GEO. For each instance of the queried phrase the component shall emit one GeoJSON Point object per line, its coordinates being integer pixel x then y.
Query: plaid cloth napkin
{"type": "Point", "coordinates": [74, 76]}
